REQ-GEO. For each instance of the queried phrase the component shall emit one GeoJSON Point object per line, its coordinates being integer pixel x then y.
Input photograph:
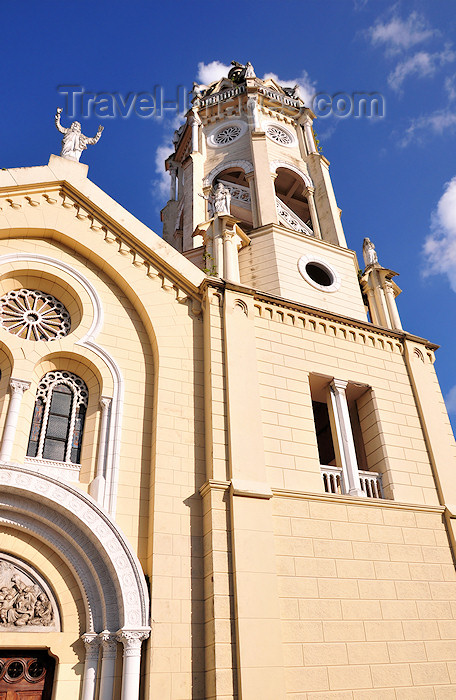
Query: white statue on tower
{"type": "Point", "coordinates": [219, 200]}
{"type": "Point", "coordinates": [74, 141]}
{"type": "Point", "coordinates": [369, 253]}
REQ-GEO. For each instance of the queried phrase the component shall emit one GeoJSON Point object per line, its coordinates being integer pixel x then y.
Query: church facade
{"type": "Point", "coordinates": [226, 469]}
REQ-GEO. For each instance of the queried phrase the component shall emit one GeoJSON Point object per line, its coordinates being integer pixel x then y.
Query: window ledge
{"type": "Point", "coordinates": [59, 470]}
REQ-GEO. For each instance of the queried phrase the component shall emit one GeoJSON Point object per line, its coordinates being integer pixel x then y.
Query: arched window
{"type": "Point", "coordinates": [58, 418]}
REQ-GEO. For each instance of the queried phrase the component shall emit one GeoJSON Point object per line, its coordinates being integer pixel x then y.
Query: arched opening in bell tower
{"type": "Point", "coordinates": [293, 208]}
{"type": "Point", "coordinates": [241, 206]}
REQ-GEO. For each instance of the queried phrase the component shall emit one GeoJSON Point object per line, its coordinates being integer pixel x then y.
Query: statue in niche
{"type": "Point", "coordinates": [74, 141]}
{"type": "Point", "coordinates": [219, 200]}
{"type": "Point", "coordinates": [369, 253]}
{"type": "Point", "coordinates": [22, 602]}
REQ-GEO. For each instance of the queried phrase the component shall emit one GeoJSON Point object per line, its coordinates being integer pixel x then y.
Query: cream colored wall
{"type": "Point", "coordinates": [238, 150]}
{"type": "Point", "coordinates": [270, 263]}
{"type": "Point", "coordinates": [290, 347]}
{"type": "Point", "coordinates": [367, 593]}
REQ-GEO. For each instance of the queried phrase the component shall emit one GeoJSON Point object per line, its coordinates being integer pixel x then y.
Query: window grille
{"type": "Point", "coordinates": [58, 418]}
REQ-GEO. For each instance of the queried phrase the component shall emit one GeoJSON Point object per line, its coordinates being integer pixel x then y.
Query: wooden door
{"type": "Point", "coordinates": [25, 675]}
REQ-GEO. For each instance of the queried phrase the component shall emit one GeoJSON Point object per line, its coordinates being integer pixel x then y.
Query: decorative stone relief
{"type": "Point", "coordinates": [24, 602]}
{"type": "Point", "coordinates": [34, 315]}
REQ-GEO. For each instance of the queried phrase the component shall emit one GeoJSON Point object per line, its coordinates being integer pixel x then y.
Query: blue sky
{"type": "Point", "coordinates": [394, 177]}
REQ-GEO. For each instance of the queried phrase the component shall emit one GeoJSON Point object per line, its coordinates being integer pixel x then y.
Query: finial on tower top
{"type": "Point", "coordinates": [74, 141]}
{"type": "Point", "coordinates": [238, 73]}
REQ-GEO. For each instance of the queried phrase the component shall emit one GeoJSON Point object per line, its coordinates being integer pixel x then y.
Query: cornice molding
{"type": "Point", "coordinates": [64, 194]}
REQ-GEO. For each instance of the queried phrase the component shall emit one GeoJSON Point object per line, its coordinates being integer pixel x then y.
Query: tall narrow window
{"type": "Point", "coordinates": [58, 418]}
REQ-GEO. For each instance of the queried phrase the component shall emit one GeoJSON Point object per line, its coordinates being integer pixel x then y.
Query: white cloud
{"type": "Point", "coordinates": [436, 123]}
{"type": "Point", "coordinates": [421, 64]}
{"type": "Point", "coordinates": [450, 401]}
{"type": "Point", "coordinates": [210, 72]}
{"type": "Point", "coordinates": [440, 245]}
{"type": "Point", "coordinates": [398, 34]}
{"type": "Point", "coordinates": [307, 87]}
{"type": "Point", "coordinates": [450, 87]}
{"type": "Point", "coordinates": [161, 184]}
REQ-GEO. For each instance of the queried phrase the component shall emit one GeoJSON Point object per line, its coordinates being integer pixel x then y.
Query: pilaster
{"type": "Point", "coordinates": [194, 203]}
{"type": "Point", "coordinates": [256, 603]}
{"type": "Point", "coordinates": [325, 200]}
{"type": "Point", "coordinates": [264, 181]}
{"type": "Point", "coordinates": [436, 427]}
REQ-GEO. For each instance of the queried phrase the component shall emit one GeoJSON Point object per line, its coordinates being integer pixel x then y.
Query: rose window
{"type": "Point", "coordinates": [34, 315]}
{"type": "Point", "coordinates": [227, 135]}
{"type": "Point", "coordinates": [279, 135]}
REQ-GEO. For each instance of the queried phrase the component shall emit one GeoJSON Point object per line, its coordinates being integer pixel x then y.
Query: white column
{"type": "Point", "coordinates": [108, 664]}
{"type": "Point", "coordinates": [92, 647]}
{"type": "Point", "coordinates": [373, 306]}
{"type": "Point", "coordinates": [345, 436]}
{"type": "Point", "coordinates": [309, 192]}
{"type": "Point", "coordinates": [17, 386]}
{"type": "Point", "coordinates": [195, 122]}
{"type": "Point", "coordinates": [250, 177]}
{"type": "Point", "coordinates": [172, 188]}
{"type": "Point", "coordinates": [98, 486]}
{"type": "Point", "coordinates": [230, 257]}
{"type": "Point", "coordinates": [131, 640]}
{"type": "Point", "coordinates": [217, 246]}
{"type": "Point", "coordinates": [310, 141]}
{"type": "Point", "coordinates": [392, 307]}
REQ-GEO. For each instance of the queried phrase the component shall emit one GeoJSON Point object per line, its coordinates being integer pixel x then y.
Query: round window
{"type": "Point", "coordinates": [226, 134]}
{"type": "Point", "coordinates": [319, 273]}
{"type": "Point", "coordinates": [34, 315]}
{"type": "Point", "coordinates": [280, 134]}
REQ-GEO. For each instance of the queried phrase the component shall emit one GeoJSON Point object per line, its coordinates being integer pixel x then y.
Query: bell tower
{"type": "Point", "coordinates": [251, 197]}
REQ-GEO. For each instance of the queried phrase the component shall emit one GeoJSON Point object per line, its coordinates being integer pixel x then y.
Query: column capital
{"type": "Point", "coordinates": [309, 190]}
{"type": "Point", "coordinates": [132, 640]}
{"type": "Point", "coordinates": [109, 644]}
{"type": "Point", "coordinates": [19, 385]}
{"type": "Point", "coordinates": [92, 644]}
{"type": "Point", "coordinates": [338, 385]}
{"type": "Point", "coordinates": [105, 402]}
{"type": "Point", "coordinates": [194, 117]}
